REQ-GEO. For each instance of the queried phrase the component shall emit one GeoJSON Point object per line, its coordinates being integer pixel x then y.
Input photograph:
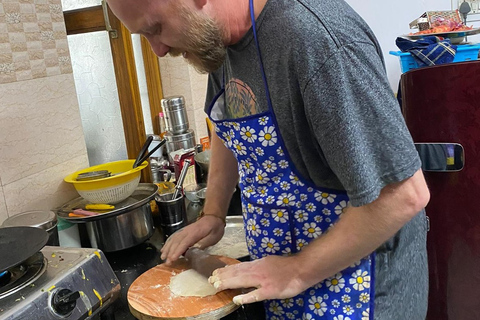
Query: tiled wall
{"type": "Point", "coordinates": [33, 43]}
{"type": "Point", "coordinates": [179, 78]}
{"type": "Point", "coordinates": [41, 136]}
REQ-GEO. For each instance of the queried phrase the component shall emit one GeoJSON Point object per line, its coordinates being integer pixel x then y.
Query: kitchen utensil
{"type": "Point", "coordinates": [143, 192]}
{"type": "Point", "coordinates": [202, 193]}
{"type": "Point", "coordinates": [181, 178]}
{"type": "Point", "coordinates": [149, 297]}
{"type": "Point", "coordinates": [93, 175]}
{"type": "Point", "coordinates": [184, 140]}
{"type": "Point", "coordinates": [203, 160]}
{"type": "Point", "coordinates": [464, 10]}
{"type": "Point", "coordinates": [19, 243]}
{"type": "Point", "coordinates": [99, 206]}
{"type": "Point", "coordinates": [46, 220]}
{"type": "Point", "coordinates": [202, 262]}
{"type": "Point", "coordinates": [140, 158]}
{"type": "Point", "coordinates": [129, 224]}
{"type": "Point", "coordinates": [172, 213]}
{"type": "Point", "coordinates": [110, 190]}
{"type": "Point", "coordinates": [87, 213]}
{"type": "Point", "coordinates": [159, 175]}
{"type": "Point", "coordinates": [233, 243]}
{"type": "Point", "coordinates": [142, 151]}
{"type": "Point", "coordinates": [176, 119]}
{"type": "Point", "coordinates": [190, 191]}
{"type": "Point", "coordinates": [456, 37]}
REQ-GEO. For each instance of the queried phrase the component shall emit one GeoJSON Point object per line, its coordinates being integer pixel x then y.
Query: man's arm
{"type": "Point", "coordinates": [222, 178]}
{"type": "Point", "coordinates": [359, 232]}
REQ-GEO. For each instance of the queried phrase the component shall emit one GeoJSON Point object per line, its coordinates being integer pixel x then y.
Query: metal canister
{"type": "Point", "coordinates": [173, 213]}
{"type": "Point", "coordinates": [180, 141]}
{"type": "Point", "coordinates": [176, 119]}
{"type": "Point", "coordinates": [46, 220]}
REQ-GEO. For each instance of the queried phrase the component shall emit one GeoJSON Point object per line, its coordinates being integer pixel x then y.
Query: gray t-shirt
{"type": "Point", "coordinates": [339, 119]}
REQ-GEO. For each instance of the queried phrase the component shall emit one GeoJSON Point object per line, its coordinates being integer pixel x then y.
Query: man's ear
{"type": "Point", "coordinates": [200, 3]}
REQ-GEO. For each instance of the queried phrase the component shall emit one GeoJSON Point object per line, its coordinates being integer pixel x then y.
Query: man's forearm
{"type": "Point", "coordinates": [222, 178]}
{"type": "Point", "coordinates": [361, 230]}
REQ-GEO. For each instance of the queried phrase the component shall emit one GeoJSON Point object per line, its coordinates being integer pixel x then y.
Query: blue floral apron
{"type": "Point", "coordinates": [283, 212]}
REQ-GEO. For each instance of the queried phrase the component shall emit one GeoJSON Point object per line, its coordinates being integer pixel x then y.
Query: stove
{"type": "Point", "coordinates": [58, 283]}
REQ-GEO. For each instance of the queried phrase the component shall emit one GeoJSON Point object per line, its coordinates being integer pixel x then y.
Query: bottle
{"type": "Point", "coordinates": [163, 127]}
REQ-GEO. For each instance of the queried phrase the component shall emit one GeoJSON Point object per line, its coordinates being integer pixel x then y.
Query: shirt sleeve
{"type": "Point", "coordinates": [358, 124]}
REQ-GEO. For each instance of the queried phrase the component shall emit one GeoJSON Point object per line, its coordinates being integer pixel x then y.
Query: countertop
{"type": "Point", "coordinates": [131, 263]}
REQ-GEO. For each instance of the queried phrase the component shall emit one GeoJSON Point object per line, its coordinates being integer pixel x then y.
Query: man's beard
{"type": "Point", "coordinates": [204, 42]}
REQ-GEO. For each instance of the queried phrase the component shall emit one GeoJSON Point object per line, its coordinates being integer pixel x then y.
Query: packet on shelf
{"type": "Point", "coordinates": [179, 157]}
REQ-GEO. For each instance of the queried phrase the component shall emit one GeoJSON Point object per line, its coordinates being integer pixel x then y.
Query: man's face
{"type": "Point", "coordinates": [174, 28]}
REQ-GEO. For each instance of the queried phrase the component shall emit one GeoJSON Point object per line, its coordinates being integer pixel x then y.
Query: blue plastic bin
{"type": "Point", "coordinates": [465, 52]}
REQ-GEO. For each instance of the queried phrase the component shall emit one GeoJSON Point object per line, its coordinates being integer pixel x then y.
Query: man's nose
{"type": "Point", "coordinates": [158, 47]}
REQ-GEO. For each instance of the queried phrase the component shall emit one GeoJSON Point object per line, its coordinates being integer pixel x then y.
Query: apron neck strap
{"type": "Point", "coordinates": [262, 69]}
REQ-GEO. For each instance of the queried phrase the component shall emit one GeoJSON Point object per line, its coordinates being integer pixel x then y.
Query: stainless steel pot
{"type": "Point", "coordinates": [180, 141]}
{"type": "Point", "coordinates": [123, 231]}
{"type": "Point", "coordinates": [46, 220]}
{"type": "Point", "coordinates": [176, 120]}
{"type": "Point", "coordinates": [128, 225]}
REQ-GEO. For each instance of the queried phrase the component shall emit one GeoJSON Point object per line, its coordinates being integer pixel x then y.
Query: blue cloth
{"type": "Point", "coordinates": [428, 51]}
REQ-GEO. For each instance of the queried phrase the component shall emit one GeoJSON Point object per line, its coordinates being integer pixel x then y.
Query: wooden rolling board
{"type": "Point", "coordinates": [149, 297]}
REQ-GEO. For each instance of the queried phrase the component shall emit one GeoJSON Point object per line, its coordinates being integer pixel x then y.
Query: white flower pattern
{"type": "Point", "coordinates": [248, 134]}
{"type": "Point", "coordinates": [283, 213]}
{"type": "Point", "coordinates": [267, 136]}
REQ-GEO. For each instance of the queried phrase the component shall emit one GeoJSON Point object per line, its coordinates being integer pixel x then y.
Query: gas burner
{"type": "Point", "coordinates": [4, 277]}
{"type": "Point", "coordinates": [20, 276]}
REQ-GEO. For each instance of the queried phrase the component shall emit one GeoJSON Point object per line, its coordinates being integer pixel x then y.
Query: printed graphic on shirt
{"type": "Point", "coordinates": [240, 100]}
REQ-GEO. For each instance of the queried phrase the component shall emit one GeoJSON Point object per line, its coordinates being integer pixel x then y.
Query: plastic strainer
{"type": "Point", "coordinates": [114, 189]}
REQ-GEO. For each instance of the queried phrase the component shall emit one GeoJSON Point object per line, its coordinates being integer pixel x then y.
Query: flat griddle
{"type": "Point", "coordinates": [17, 244]}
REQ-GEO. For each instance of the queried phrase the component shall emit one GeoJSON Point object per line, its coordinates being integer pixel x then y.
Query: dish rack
{"type": "Point", "coordinates": [426, 20]}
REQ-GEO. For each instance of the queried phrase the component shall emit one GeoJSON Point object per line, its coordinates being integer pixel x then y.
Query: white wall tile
{"type": "Point", "coordinates": [44, 190]}
{"type": "Point", "coordinates": [40, 126]}
{"type": "Point", "coordinates": [3, 208]}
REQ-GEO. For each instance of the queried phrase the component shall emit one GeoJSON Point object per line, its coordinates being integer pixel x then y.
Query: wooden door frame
{"type": "Point", "coordinates": [93, 19]}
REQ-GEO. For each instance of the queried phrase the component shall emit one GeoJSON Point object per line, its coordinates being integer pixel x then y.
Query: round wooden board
{"type": "Point", "coordinates": [149, 296]}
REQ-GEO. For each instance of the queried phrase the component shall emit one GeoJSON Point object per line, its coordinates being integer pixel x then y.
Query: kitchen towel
{"type": "Point", "coordinates": [428, 51]}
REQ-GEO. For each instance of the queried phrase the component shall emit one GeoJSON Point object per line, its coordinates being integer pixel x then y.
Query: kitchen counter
{"type": "Point", "coordinates": [131, 263]}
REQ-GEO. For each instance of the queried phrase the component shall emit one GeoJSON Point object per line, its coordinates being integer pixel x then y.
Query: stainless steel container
{"type": "Point", "coordinates": [176, 119]}
{"type": "Point", "coordinates": [46, 220]}
{"type": "Point", "coordinates": [172, 213]}
{"type": "Point", "coordinates": [128, 225]}
{"type": "Point", "coordinates": [180, 141]}
{"type": "Point", "coordinates": [126, 230]}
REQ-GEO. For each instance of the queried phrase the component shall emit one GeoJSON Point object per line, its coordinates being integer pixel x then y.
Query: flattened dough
{"type": "Point", "coordinates": [190, 283]}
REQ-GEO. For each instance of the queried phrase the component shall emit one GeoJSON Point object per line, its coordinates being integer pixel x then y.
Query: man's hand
{"type": "Point", "coordinates": [273, 277]}
{"type": "Point", "coordinates": [203, 233]}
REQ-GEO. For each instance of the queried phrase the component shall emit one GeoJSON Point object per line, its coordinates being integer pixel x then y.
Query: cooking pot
{"type": "Point", "coordinates": [40, 219]}
{"type": "Point", "coordinates": [128, 225]}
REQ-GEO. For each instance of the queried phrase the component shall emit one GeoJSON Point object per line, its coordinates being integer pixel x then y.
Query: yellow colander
{"type": "Point", "coordinates": [114, 189]}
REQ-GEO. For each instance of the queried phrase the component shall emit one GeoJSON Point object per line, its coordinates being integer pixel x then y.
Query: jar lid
{"type": "Point", "coordinates": [175, 102]}
{"type": "Point", "coordinates": [40, 219]}
{"type": "Point", "coordinates": [93, 175]}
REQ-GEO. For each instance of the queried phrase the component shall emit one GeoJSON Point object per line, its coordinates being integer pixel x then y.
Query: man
{"type": "Point", "coordinates": [305, 121]}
